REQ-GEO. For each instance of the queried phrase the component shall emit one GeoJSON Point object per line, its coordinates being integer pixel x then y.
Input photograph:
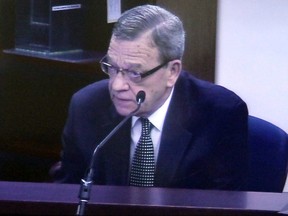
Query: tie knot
{"type": "Point", "coordinates": [146, 126]}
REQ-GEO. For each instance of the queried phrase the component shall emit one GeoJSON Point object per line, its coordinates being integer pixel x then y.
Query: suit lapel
{"type": "Point", "coordinates": [181, 118]}
{"type": "Point", "coordinates": [117, 152]}
{"type": "Point", "coordinates": [173, 145]}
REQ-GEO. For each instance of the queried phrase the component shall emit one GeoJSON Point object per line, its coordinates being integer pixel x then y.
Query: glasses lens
{"type": "Point", "coordinates": [105, 67]}
{"type": "Point", "coordinates": [133, 76]}
{"type": "Point", "coordinates": [130, 75]}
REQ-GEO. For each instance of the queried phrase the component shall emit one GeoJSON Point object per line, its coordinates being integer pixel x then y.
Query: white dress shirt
{"type": "Point", "coordinates": [157, 119]}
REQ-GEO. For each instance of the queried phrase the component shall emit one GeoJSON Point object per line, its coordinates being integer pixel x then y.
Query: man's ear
{"type": "Point", "coordinates": [175, 67]}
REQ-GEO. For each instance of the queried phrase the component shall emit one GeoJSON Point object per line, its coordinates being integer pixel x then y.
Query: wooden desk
{"type": "Point", "coordinates": [61, 199]}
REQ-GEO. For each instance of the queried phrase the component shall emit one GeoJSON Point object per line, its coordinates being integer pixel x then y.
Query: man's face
{"type": "Point", "coordinates": [139, 55]}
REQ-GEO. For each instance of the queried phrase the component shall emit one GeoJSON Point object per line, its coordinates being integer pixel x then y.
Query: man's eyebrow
{"type": "Point", "coordinates": [135, 65]}
{"type": "Point", "coordinates": [130, 65]}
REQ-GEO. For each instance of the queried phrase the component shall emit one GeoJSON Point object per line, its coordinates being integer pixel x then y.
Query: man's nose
{"type": "Point", "coordinates": [119, 82]}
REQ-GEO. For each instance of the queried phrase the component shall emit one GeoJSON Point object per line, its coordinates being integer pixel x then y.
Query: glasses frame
{"type": "Point", "coordinates": [141, 75]}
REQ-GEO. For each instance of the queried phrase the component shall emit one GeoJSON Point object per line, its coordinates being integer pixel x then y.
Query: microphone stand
{"type": "Point", "coordinates": [86, 183]}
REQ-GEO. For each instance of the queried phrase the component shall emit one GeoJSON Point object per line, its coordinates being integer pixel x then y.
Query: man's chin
{"type": "Point", "coordinates": [124, 111]}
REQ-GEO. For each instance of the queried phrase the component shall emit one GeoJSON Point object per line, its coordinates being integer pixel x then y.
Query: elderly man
{"type": "Point", "coordinates": [194, 132]}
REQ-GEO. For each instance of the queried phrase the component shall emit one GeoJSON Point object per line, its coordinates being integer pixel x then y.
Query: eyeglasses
{"type": "Point", "coordinates": [134, 76]}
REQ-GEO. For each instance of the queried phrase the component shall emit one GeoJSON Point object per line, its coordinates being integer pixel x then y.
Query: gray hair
{"type": "Point", "coordinates": [166, 29]}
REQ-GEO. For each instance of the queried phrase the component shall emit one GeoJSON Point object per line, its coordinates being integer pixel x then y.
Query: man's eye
{"type": "Point", "coordinates": [112, 69]}
{"type": "Point", "coordinates": [133, 73]}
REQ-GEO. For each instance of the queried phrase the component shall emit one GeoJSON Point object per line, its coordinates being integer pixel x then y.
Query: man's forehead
{"type": "Point", "coordinates": [120, 50]}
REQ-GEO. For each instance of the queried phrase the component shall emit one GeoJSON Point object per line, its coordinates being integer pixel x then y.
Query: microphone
{"type": "Point", "coordinates": [140, 97]}
{"type": "Point", "coordinates": [86, 184]}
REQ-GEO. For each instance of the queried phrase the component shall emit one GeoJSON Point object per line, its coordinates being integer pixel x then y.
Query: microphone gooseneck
{"type": "Point", "coordinates": [86, 184]}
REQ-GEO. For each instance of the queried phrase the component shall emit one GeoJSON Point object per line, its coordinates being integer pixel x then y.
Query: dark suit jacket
{"type": "Point", "coordinates": [203, 144]}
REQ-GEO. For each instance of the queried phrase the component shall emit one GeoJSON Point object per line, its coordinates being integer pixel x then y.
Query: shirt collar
{"type": "Point", "coordinates": [157, 118]}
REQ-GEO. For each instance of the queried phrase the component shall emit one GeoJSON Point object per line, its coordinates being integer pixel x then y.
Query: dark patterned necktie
{"type": "Point", "coordinates": [143, 165]}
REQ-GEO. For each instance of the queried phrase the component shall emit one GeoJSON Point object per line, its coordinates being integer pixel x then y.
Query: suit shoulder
{"type": "Point", "coordinates": [92, 93]}
{"type": "Point", "coordinates": [204, 89]}
{"type": "Point", "coordinates": [206, 101]}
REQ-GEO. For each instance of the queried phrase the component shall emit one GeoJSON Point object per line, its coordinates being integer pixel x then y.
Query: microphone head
{"type": "Point", "coordinates": [140, 97]}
